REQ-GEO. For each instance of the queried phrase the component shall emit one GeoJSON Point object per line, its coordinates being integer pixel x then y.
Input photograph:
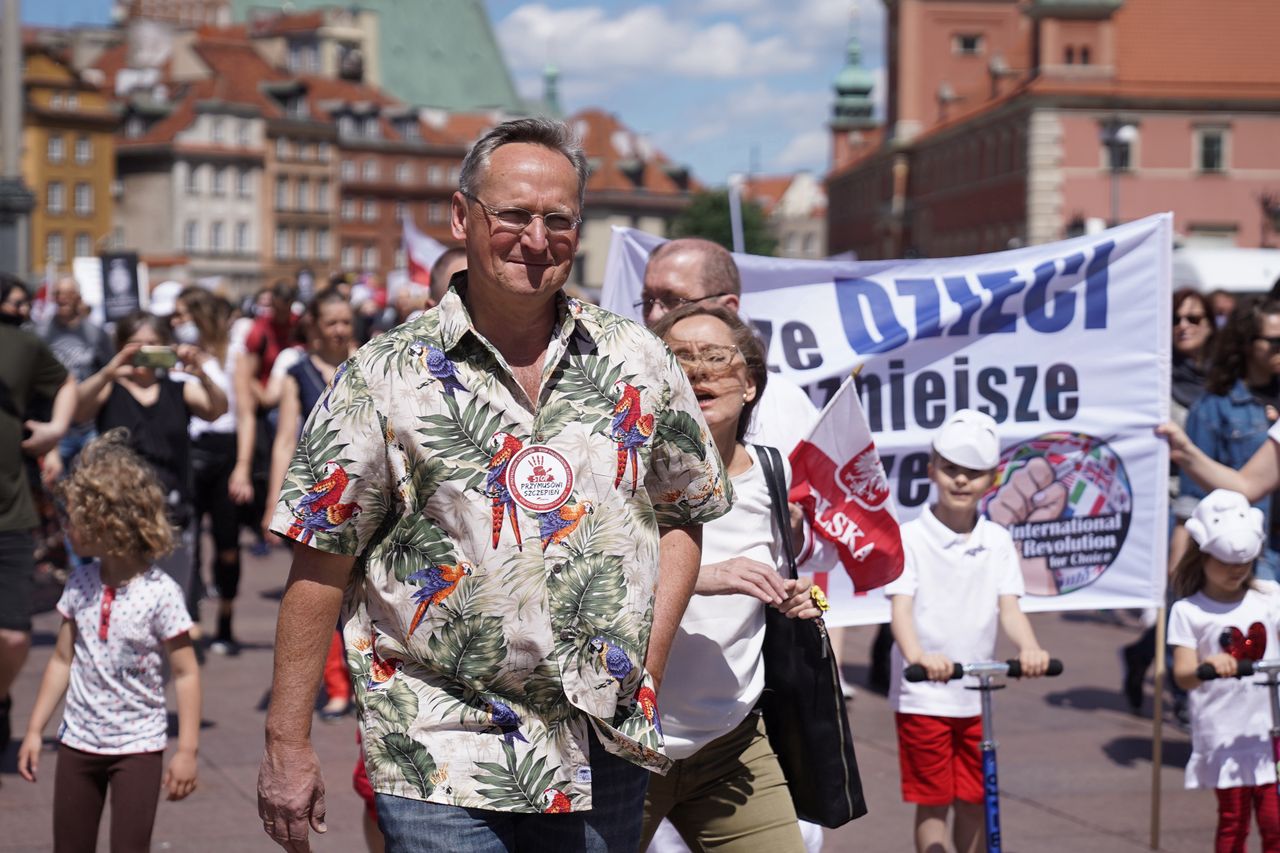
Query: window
{"type": "Point", "coordinates": [322, 244]}
{"type": "Point", "coordinates": [399, 260]}
{"type": "Point", "coordinates": [305, 150]}
{"type": "Point", "coordinates": [193, 179]}
{"type": "Point", "coordinates": [348, 170]}
{"type": "Point", "coordinates": [84, 199]}
{"type": "Point", "coordinates": [134, 127]}
{"type": "Point", "coordinates": [348, 210]}
{"type": "Point", "coordinates": [403, 173]}
{"type": "Point", "coordinates": [73, 101]}
{"type": "Point", "coordinates": [346, 125]}
{"type": "Point", "coordinates": [322, 194]}
{"type": "Point", "coordinates": [282, 149]}
{"type": "Point", "coordinates": [55, 148]}
{"type": "Point", "coordinates": [966, 44]}
{"type": "Point", "coordinates": [1069, 55]}
{"type": "Point", "coordinates": [435, 175]}
{"type": "Point", "coordinates": [400, 211]}
{"type": "Point", "coordinates": [282, 242]}
{"type": "Point", "coordinates": [1212, 156]}
{"type": "Point", "coordinates": [282, 193]}
{"type": "Point", "coordinates": [55, 100]}
{"type": "Point", "coordinates": [348, 257]}
{"type": "Point", "coordinates": [371, 128]}
{"type": "Point", "coordinates": [410, 130]}
{"type": "Point", "coordinates": [242, 133]}
{"type": "Point", "coordinates": [216, 129]}
{"type": "Point", "coordinates": [370, 170]}
{"type": "Point", "coordinates": [189, 236]}
{"type": "Point", "coordinates": [1085, 57]}
{"type": "Point", "coordinates": [242, 237]}
{"type": "Point", "coordinates": [322, 152]}
{"type": "Point", "coordinates": [437, 211]}
{"type": "Point", "coordinates": [296, 107]}
{"type": "Point", "coordinates": [370, 257]}
{"type": "Point", "coordinates": [55, 201]}
{"type": "Point", "coordinates": [84, 150]}
{"type": "Point", "coordinates": [302, 194]}
{"type": "Point", "coordinates": [455, 175]}
{"type": "Point", "coordinates": [370, 210]}
{"type": "Point", "coordinates": [53, 248]}
{"type": "Point", "coordinates": [244, 186]}
{"type": "Point", "coordinates": [215, 237]}
{"type": "Point", "coordinates": [1119, 156]}
{"type": "Point", "coordinates": [83, 245]}
{"type": "Point", "coordinates": [302, 244]}
{"type": "Point", "coordinates": [220, 180]}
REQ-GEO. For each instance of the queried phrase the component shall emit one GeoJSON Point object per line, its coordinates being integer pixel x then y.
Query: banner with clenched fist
{"type": "Point", "coordinates": [1065, 345]}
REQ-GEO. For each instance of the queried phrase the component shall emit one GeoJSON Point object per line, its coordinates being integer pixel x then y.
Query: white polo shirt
{"type": "Point", "coordinates": [956, 581]}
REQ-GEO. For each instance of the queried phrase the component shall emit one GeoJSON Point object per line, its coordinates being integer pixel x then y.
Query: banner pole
{"type": "Point", "coordinates": [1157, 744]}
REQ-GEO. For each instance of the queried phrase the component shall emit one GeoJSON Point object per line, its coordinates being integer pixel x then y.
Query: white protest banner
{"type": "Point", "coordinates": [1066, 345]}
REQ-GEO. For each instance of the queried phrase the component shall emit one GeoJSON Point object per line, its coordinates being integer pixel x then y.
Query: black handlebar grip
{"type": "Point", "coordinates": [1015, 667]}
{"type": "Point", "coordinates": [1206, 672]}
{"type": "Point", "coordinates": [915, 673]}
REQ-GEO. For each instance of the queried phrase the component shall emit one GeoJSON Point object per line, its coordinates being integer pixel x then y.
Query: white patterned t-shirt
{"type": "Point", "coordinates": [115, 699]}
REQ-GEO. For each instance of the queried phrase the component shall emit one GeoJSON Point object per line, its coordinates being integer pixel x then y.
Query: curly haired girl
{"type": "Point", "coordinates": [119, 613]}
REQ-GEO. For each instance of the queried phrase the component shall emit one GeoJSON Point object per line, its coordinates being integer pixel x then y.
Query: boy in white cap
{"type": "Point", "coordinates": [961, 576]}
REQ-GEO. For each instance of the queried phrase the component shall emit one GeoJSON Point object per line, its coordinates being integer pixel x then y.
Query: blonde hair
{"type": "Point", "coordinates": [114, 500]}
{"type": "Point", "coordinates": [1188, 575]}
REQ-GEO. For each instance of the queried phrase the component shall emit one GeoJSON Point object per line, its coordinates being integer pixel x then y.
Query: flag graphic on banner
{"type": "Point", "coordinates": [420, 252]}
{"type": "Point", "coordinates": [837, 476]}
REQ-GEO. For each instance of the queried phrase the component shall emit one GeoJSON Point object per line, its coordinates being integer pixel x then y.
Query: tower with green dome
{"type": "Point", "coordinates": [853, 85]}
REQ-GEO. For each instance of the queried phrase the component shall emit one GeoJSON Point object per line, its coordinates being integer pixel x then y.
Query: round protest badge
{"type": "Point", "coordinates": [539, 479]}
{"type": "Point", "coordinates": [1066, 500]}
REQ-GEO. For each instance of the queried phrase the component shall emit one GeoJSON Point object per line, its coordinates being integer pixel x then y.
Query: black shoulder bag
{"type": "Point", "coordinates": [802, 702]}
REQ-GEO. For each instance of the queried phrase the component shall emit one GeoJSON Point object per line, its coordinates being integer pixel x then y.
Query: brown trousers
{"type": "Point", "coordinates": [80, 792]}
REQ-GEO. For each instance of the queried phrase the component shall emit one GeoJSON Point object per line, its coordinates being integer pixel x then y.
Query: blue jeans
{"type": "Point", "coordinates": [611, 826]}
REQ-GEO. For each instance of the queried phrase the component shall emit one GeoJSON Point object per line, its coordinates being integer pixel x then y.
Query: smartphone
{"type": "Point", "coordinates": [162, 358]}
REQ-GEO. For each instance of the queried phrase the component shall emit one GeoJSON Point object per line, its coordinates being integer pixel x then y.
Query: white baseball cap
{"type": "Point", "coordinates": [968, 438]}
{"type": "Point", "coordinates": [1226, 527]}
{"type": "Point", "coordinates": [164, 298]}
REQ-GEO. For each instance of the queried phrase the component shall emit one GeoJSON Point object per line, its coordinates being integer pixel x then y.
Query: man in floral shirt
{"type": "Point", "coordinates": [495, 486]}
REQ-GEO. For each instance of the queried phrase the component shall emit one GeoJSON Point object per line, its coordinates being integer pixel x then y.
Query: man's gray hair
{"type": "Point", "coordinates": [549, 133]}
{"type": "Point", "coordinates": [718, 273]}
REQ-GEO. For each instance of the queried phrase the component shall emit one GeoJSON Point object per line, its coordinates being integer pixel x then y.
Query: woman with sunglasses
{"type": "Point", "coordinates": [726, 783]}
{"type": "Point", "coordinates": [1194, 336]}
{"type": "Point", "coordinates": [1242, 400]}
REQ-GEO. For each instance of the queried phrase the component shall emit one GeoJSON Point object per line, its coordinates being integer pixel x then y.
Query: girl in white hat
{"type": "Point", "coordinates": [1225, 615]}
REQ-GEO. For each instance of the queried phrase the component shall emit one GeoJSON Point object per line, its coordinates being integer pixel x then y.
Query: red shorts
{"type": "Point", "coordinates": [940, 758]}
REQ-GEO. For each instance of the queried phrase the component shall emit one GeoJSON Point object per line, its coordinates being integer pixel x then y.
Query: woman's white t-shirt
{"type": "Point", "coordinates": [715, 672]}
{"type": "Point", "coordinates": [115, 698]}
{"type": "Point", "coordinates": [1230, 717]}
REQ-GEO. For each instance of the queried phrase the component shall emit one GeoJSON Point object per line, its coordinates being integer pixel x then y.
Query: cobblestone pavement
{"type": "Point", "coordinates": [1075, 766]}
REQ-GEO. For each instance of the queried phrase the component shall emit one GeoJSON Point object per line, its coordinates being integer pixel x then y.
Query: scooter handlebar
{"type": "Point", "coordinates": [1012, 668]}
{"type": "Point", "coordinates": [1206, 672]}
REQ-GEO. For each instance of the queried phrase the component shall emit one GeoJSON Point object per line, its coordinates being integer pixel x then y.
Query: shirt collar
{"type": "Point", "coordinates": [944, 537]}
{"type": "Point", "coordinates": [455, 320]}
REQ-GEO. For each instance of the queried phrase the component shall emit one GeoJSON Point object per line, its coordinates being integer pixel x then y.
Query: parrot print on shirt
{"type": "Point", "coordinates": [321, 508]}
{"type": "Point", "coordinates": [439, 366]}
{"type": "Point", "coordinates": [495, 485]}
{"type": "Point", "coordinates": [630, 429]}
{"type": "Point", "coordinates": [555, 526]}
{"type": "Point", "coordinates": [611, 659]}
{"type": "Point", "coordinates": [438, 583]}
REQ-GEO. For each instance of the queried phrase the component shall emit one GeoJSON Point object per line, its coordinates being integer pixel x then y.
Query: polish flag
{"type": "Point", "coordinates": [420, 252]}
{"type": "Point", "coordinates": [836, 475]}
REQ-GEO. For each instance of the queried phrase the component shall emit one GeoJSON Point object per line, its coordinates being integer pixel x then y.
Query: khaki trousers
{"type": "Point", "coordinates": [728, 796]}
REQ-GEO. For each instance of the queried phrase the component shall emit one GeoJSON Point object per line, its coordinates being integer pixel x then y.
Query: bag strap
{"type": "Point", "coordinates": [771, 465]}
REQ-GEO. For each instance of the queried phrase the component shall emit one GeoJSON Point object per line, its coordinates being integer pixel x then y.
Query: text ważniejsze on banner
{"type": "Point", "coordinates": [1066, 345]}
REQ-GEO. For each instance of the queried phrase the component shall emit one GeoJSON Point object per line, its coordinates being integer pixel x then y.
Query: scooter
{"type": "Point", "coordinates": [1271, 669]}
{"type": "Point", "coordinates": [986, 673]}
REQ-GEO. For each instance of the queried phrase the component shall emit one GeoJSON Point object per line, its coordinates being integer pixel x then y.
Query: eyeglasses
{"type": "Point", "coordinates": [514, 220]}
{"type": "Point", "coordinates": [713, 358]}
{"type": "Point", "coordinates": [670, 303]}
{"type": "Point", "coordinates": [1190, 319]}
{"type": "Point", "coordinates": [1273, 343]}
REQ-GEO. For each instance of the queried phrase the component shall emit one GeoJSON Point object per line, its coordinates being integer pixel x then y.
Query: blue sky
{"type": "Point", "coordinates": [721, 85]}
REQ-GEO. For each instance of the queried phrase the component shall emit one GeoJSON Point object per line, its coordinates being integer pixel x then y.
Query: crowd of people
{"type": "Point", "coordinates": [479, 482]}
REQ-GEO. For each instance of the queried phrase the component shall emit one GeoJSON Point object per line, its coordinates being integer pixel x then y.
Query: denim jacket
{"type": "Point", "coordinates": [1229, 428]}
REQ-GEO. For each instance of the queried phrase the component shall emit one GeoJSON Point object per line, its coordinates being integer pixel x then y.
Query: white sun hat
{"type": "Point", "coordinates": [968, 438]}
{"type": "Point", "coordinates": [1226, 527]}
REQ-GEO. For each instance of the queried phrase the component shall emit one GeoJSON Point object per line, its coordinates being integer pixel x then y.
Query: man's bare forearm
{"type": "Point", "coordinates": [679, 558]}
{"type": "Point", "coordinates": [308, 613]}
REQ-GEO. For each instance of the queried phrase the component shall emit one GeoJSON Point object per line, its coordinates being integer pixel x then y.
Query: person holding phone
{"type": "Point", "coordinates": [142, 389]}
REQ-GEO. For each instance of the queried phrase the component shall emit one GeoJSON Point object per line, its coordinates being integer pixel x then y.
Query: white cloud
{"type": "Point", "coordinates": [644, 39]}
{"type": "Point", "coordinates": [808, 149]}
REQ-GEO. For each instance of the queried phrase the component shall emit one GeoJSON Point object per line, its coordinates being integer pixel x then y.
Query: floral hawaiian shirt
{"type": "Point", "coordinates": [507, 554]}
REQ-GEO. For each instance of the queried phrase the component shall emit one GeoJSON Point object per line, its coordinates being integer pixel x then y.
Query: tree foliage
{"type": "Point", "coordinates": [707, 216]}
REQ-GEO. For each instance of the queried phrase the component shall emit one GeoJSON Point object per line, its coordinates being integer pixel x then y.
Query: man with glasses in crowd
{"type": "Point", "coordinates": [496, 483]}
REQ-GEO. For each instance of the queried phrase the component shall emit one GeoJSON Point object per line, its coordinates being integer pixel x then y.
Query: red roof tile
{"type": "Point", "coordinates": [618, 153]}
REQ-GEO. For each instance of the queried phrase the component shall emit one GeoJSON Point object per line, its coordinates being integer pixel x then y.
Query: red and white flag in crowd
{"type": "Point", "coordinates": [837, 477]}
{"type": "Point", "coordinates": [420, 253]}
